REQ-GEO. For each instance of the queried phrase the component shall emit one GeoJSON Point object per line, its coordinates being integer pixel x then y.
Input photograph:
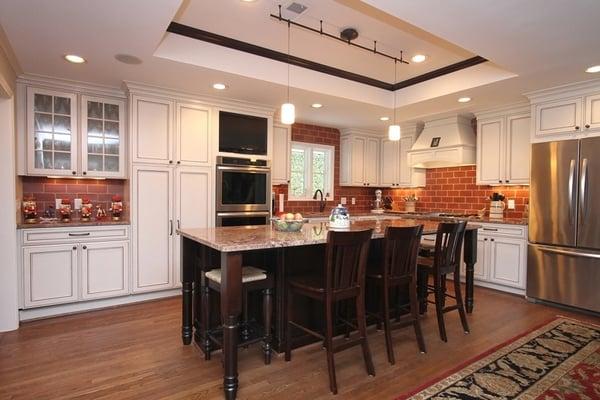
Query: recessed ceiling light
{"type": "Point", "coordinates": [316, 105]}
{"type": "Point", "coordinates": [464, 99]}
{"type": "Point", "coordinates": [418, 58]}
{"type": "Point", "coordinates": [220, 86]}
{"type": "Point", "coordinates": [75, 59]}
{"type": "Point", "coordinates": [594, 69]}
{"type": "Point", "coordinates": [384, 118]}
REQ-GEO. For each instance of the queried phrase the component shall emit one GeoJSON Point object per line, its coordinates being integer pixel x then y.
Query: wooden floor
{"type": "Point", "coordinates": [135, 352]}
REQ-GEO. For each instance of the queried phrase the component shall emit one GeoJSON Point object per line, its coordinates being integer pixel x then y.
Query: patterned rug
{"type": "Point", "coordinates": [559, 361]}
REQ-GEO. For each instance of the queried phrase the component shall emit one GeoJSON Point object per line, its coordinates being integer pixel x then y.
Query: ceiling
{"type": "Point", "coordinates": [530, 45]}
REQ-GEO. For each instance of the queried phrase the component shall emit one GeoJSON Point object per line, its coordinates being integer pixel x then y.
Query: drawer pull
{"type": "Point", "coordinates": [79, 234]}
{"type": "Point", "coordinates": [491, 229]}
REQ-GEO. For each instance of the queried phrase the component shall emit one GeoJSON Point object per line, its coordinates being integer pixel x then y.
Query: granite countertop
{"type": "Point", "coordinates": [256, 237]}
{"type": "Point", "coordinates": [70, 224]}
{"type": "Point", "coordinates": [487, 220]}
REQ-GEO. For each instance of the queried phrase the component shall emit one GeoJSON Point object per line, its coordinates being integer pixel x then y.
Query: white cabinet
{"type": "Point", "coordinates": [104, 269]}
{"type": "Point", "coordinates": [51, 132]}
{"type": "Point", "coordinates": [152, 218]}
{"type": "Point", "coordinates": [102, 137]}
{"type": "Point", "coordinates": [390, 163]}
{"type": "Point", "coordinates": [280, 168]}
{"type": "Point", "coordinates": [482, 264]}
{"type": "Point", "coordinates": [151, 129]}
{"type": "Point", "coordinates": [193, 139]}
{"type": "Point", "coordinates": [359, 160]}
{"type": "Point", "coordinates": [592, 113]}
{"type": "Point", "coordinates": [503, 147]}
{"type": "Point", "coordinates": [558, 116]}
{"type": "Point", "coordinates": [49, 274]}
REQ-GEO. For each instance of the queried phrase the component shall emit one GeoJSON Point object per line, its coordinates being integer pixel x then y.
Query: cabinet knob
{"type": "Point", "coordinates": [85, 247]}
{"type": "Point", "coordinates": [170, 161]}
{"type": "Point", "coordinates": [577, 128]}
{"type": "Point", "coordinates": [74, 247]}
{"type": "Point", "coordinates": [178, 162]}
{"type": "Point", "coordinates": [492, 240]}
{"type": "Point", "coordinates": [507, 181]}
{"type": "Point", "coordinates": [587, 126]}
{"type": "Point", "coordinates": [500, 181]}
{"type": "Point", "coordinates": [74, 173]}
{"type": "Point", "coordinates": [485, 239]}
{"type": "Point", "coordinates": [85, 172]}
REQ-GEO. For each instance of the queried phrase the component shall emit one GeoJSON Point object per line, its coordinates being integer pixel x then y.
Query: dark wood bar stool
{"type": "Point", "coordinates": [343, 279]}
{"type": "Point", "coordinates": [253, 279]}
{"type": "Point", "coordinates": [397, 271]}
{"type": "Point", "coordinates": [444, 260]}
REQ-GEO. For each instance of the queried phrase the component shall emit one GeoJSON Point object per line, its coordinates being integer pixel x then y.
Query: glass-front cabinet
{"type": "Point", "coordinates": [102, 149]}
{"type": "Point", "coordinates": [52, 132]}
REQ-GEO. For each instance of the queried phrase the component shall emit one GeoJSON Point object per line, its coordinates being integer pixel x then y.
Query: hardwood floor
{"type": "Point", "coordinates": [135, 352]}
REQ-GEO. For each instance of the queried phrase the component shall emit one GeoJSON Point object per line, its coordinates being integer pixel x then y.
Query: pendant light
{"type": "Point", "coordinates": [394, 132]}
{"type": "Point", "coordinates": [288, 110]}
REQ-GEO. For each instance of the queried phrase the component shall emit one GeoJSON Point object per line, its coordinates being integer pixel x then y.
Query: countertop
{"type": "Point", "coordinates": [70, 224]}
{"type": "Point", "coordinates": [487, 220]}
{"type": "Point", "coordinates": [256, 237]}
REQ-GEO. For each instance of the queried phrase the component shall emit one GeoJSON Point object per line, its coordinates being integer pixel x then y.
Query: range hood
{"type": "Point", "coordinates": [447, 142]}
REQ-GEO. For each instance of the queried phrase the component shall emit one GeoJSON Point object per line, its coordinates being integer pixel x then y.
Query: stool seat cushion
{"type": "Point", "coordinates": [249, 274]}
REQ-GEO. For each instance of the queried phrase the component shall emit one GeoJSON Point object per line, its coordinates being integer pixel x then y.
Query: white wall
{"type": "Point", "coordinates": [9, 315]}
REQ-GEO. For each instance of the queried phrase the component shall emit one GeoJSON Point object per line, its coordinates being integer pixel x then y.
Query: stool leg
{"type": "Point", "coordinates": [206, 320]}
{"type": "Point", "coordinates": [459, 302]}
{"type": "Point", "coordinates": [329, 346]}
{"type": "Point", "coordinates": [245, 331]}
{"type": "Point", "coordinates": [444, 290]}
{"type": "Point", "coordinates": [414, 311]}
{"type": "Point", "coordinates": [267, 314]}
{"type": "Point", "coordinates": [422, 276]}
{"type": "Point", "coordinates": [361, 321]}
{"type": "Point", "coordinates": [386, 324]}
{"type": "Point", "coordinates": [439, 308]}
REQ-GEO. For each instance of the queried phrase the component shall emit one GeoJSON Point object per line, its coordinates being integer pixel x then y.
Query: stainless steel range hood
{"type": "Point", "coordinates": [447, 142]}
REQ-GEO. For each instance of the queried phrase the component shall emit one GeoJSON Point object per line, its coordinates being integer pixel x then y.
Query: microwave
{"type": "Point", "coordinates": [243, 134]}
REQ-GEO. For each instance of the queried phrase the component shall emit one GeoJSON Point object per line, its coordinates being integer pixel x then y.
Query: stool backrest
{"type": "Point", "coordinates": [448, 244]}
{"type": "Point", "coordinates": [346, 261]}
{"type": "Point", "coordinates": [401, 247]}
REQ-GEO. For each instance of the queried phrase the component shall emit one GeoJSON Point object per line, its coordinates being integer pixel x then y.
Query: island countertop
{"type": "Point", "coordinates": [256, 237]}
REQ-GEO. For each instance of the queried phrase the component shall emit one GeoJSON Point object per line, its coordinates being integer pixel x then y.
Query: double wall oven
{"type": "Point", "coordinates": [243, 191]}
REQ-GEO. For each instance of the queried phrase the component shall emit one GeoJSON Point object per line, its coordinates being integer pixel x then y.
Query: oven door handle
{"type": "Point", "coordinates": [244, 169]}
{"type": "Point", "coordinates": [244, 214]}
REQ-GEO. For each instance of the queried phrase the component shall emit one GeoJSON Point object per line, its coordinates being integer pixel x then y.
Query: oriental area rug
{"type": "Point", "coordinates": [558, 361]}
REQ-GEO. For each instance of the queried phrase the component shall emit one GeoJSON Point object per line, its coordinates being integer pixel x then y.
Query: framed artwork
{"type": "Point", "coordinates": [435, 142]}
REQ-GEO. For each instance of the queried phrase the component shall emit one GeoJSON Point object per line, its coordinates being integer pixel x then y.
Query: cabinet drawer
{"type": "Point", "coordinates": [75, 234]}
{"type": "Point", "coordinates": [517, 231]}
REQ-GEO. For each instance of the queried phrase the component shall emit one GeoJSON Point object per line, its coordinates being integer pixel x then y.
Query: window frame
{"type": "Point", "coordinates": [329, 179]}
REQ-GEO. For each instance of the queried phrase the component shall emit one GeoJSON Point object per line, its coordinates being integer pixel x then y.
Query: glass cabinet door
{"type": "Point", "coordinates": [102, 137]}
{"type": "Point", "coordinates": [52, 132]}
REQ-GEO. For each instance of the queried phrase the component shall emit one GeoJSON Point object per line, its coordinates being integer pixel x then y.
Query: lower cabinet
{"type": "Point", "coordinates": [68, 265]}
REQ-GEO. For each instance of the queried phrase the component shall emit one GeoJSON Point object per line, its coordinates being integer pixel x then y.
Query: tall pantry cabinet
{"type": "Point", "coordinates": [171, 183]}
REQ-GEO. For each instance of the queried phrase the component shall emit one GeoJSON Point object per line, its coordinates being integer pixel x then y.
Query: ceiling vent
{"type": "Point", "coordinates": [296, 8]}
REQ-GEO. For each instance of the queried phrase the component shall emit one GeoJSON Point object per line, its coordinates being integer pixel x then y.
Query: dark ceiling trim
{"type": "Point", "coordinates": [209, 37]}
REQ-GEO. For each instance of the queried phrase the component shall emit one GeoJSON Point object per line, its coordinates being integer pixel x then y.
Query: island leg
{"type": "Point", "coordinates": [470, 255]}
{"type": "Point", "coordinates": [187, 266]}
{"type": "Point", "coordinates": [231, 307]}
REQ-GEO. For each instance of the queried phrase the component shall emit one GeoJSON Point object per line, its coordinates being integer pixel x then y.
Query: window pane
{"type": "Point", "coordinates": [94, 127]}
{"type": "Point", "coordinates": [94, 163]}
{"type": "Point", "coordinates": [111, 164]}
{"type": "Point", "coordinates": [43, 122]}
{"type": "Point", "coordinates": [62, 105]}
{"type": "Point", "coordinates": [62, 160]}
{"type": "Point", "coordinates": [94, 109]}
{"type": "Point", "coordinates": [297, 160]}
{"type": "Point", "coordinates": [111, 111]}
{"type": "Point", "coordinates": [297, 184]}
{"type": "Point", "coordinates": [319, 170]}
{"type": "Point", "coordinates": [42, 102]}
{"type": "Point", "coordinates": [62, 124]}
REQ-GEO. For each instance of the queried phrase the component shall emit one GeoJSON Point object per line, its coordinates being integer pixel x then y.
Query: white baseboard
{"type": "Point", "coordinates": [72, 308]}
{"type": "Point", "coordinates": [501, 288]}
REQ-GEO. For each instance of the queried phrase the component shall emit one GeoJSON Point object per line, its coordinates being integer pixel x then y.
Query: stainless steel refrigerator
{"type": "Point", "coordinates": [564, 223]}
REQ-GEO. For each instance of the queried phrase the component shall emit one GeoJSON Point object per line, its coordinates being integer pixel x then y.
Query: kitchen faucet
{"type": "Point", "coordinates": [322, 201]}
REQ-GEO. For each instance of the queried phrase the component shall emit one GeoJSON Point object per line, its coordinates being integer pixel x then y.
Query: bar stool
{"type": "Point", "coordinates": [253, 279]}
{"type": "Point", "coordinates": [398, 269]}
{"type": "Point", "coordinates": [444, 260]}
{"type": "Point", "coordinates": [344, 279]}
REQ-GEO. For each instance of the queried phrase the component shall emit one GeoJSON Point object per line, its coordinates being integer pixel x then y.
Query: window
{"type": "Point", "coordinates": [311, 169]}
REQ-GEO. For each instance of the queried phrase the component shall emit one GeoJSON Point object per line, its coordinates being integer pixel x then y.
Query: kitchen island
{"type": "Point", "coordinates": [282, 252]}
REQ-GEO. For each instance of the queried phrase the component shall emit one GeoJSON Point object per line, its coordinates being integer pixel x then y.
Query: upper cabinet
{"type": "Point", "coordinates": [566, 112]}
{"type": "Point", "coordinates": [503, 147]}
{"type": "Point", "coordinates": [359, 160]}
{"type": "Point", "coordinates": [395, 171]}
{"type": "Point", "coordinates": [282, 142]}
{"type": "Point", "coordinates": [70, 133]}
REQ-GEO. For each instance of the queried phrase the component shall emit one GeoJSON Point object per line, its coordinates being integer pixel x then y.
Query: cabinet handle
{"type": "Point", "coordinates": [84, 172]}
{"type": "Point", "coordinates": [491, 229]}
{"type": "Point", "coordinates": [492, 240]}
{"type": "Point", "coordinates": [500, 181]}
{"type": "Point", "coordinates": [577, 128]}
{"type": "Point", "coordinates": [170, 161]}
{"type": "Point", "coordinates": [74, 247]}
{"type": "Point", "coordinates": [85, 247]}
{"type": "Point", "coordinates": [170, 227]}
{"type": "Point", "coordinates": [507, 181]}
{"type": "Point", "coordinates": [485, 239]}
{"type": "Point", "coordinates": [587, 126]}
{"type": "Point", "coordinates": [80, 234]}
{"type": "Point", "coordinates": [178, 162]}
{"type": "Point", "coordinates": [74, 173]}
{"type": "Point", "coordinates": [178, 226]}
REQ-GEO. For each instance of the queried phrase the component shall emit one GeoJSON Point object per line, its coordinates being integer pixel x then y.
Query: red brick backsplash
{"type": "Point", "coordinates": [46, 190]}
{"type": "Point", "coordinates": [447, 189]}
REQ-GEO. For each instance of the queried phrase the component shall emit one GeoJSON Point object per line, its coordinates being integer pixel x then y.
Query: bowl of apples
{"type": "Point", "coordinates": [288, 222]}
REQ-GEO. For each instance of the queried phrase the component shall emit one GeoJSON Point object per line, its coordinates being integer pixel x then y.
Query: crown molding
{"type": "Point", "coordinates": [514, 108]}
{"type": "Point", "coordinates": [562, 91]}
{"type": "Point", "coordinates": [49, 82]}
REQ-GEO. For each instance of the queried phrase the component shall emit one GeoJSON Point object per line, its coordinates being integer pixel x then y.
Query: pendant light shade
{"type": "Point", "coordinates": [394, 132]}
{"type": "Point", "coordinates": [288, 113]}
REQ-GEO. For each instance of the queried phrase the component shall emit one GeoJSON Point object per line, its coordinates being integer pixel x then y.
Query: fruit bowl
{"type": "Point", "coordinates": [288, 226]}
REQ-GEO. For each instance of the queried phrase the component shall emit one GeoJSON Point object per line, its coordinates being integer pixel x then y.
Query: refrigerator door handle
{"type": "Point", "coordinates": [568, 252]}
{"type": "Point", "coordinates": [583, 191]}
{"type": "Point", "coordinates": [572, 192]}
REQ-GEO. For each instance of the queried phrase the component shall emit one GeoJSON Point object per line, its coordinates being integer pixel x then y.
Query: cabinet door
{"type": "Point", "coordinates": [153, 228]}
{"type": "Point", "coordinates": [103, 137]}
{"type": "Point", "coordinates": [508, 261]}
{"type": "Point", "coordinates": [592, 113]}
{"type": "Point", "coordinates": [490, 151]}
{"type": "Point", "coordinates": [517, 149]}
{"type": "Point", "coordinates": [152, 130]}
{"type": "Point", "coordinates": [409, 176]}
{"type": "Point", "coordinates": [51, 132]}
{"type": "Point", "coordinates": [563, 116]}
{"type": "Point", "coordinates": [49, 274]}
{"type": "Point", "coordinates": [482, 265]}
{"type": "Point", "coordinates": [104, 269]}
{"type": "Point", "coordinates": [357, 161]}
{"type": "Point", "coordinates": [371, 161]}
{"type": "Point", "coordinates": [194, 201]}
{"type": "Point", "coordinates": [390, 163]}
{"type": "Point", "coordinates": [280, 169]}
{"type": "Point", "coordinates": [193, 135]}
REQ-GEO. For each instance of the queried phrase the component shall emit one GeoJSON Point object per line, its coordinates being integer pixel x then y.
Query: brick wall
{"type": "Point", "coordinates": [447, 189]}
{"type": "Point", "coordinates": [46, 190]}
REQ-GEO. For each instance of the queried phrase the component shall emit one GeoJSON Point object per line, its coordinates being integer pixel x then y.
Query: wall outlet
{"type": "Point", "coordinates": [353, 201]}
{"type": "Point", "coordinates": [343, 201]}
{"type": "Point", "coordinates": [77, 204]}
{"type": "Point", "coordinates": [511, 204]}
